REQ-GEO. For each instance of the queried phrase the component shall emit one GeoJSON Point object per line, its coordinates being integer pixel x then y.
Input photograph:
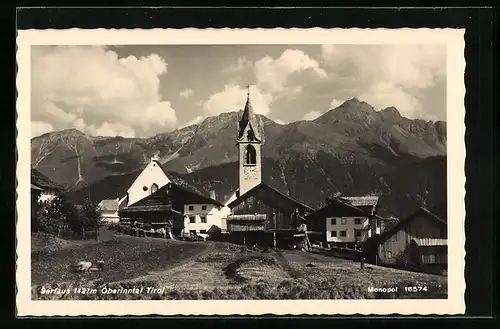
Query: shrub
{"type": "Point", "coordinates": [89, 218]}
{"type": "Point", "coordinates": [53, 216]}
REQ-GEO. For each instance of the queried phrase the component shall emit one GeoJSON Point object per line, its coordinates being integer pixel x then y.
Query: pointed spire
{"type": "Point", "coordinates": [248, 111]}
{"type": "Point", "coordinates": [248, 117]}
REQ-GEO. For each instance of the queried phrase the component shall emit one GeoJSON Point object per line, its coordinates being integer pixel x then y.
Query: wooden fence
{"type": "Point", "coordinates": [72, 235]}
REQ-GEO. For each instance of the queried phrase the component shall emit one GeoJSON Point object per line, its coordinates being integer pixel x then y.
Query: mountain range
{"type": "Point", "coordinates": [352, 150]}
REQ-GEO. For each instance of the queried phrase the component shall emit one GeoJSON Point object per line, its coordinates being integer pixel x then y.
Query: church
{"type": "Point", "coordinates": [259, 213]}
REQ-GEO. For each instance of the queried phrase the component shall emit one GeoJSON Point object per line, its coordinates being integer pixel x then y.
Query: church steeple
{"type": "Point", "coordinates": [249, 148]}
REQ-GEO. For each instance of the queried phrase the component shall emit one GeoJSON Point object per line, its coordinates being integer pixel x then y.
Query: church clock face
{"type": "Point", "coordinates": [250, 172]}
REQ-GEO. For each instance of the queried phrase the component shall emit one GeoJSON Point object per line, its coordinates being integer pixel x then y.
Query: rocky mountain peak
{"type": "Point", "coordinates": [390, 114]}
{"type": "Point", "coordinates": [351, 110]}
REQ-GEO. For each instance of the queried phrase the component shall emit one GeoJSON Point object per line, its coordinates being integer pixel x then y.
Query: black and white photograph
{"type": "Point", "coordinates": [286, 168]}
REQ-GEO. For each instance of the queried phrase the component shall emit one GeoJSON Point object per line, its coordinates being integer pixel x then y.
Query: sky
{"type": "Point", "coordinates": [141, 90]}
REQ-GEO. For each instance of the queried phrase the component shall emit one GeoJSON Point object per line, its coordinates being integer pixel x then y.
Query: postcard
{"type": "Point", "coordinates": [240, 172]}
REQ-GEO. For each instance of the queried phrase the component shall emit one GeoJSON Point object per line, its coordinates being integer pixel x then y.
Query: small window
{"type": "Point", "coordinates": [203, 231]}
{"type": "Point", "coordinates": [144, 188]}
{"type": "Point", "coordinates": [343, 233]}
{"type": "Point", "coordinates": [191, 208]}
{"type": "Point", "coordinates": [192, 219]}
{"type": "Point", "coordinates": [203, 219]}
{"type": "Point", "coordinates": [389, 254]}
{"type": "Point", "coordinates": [343, 221]}
{"type": "Point", "coordinates": [358, 234]}
{"type": "Point", "coordinates": [357, 221]}
{"type": "Point", "coordinates": [203, 207]}
{"type": "Point", "coordinates": [251, 155]}
{"type": "Point", "coordinates": [333, 234]}
{"type": "Point", "coordinates": [154, 188]}
{"type": "Point", "coordinates": [333, 221]}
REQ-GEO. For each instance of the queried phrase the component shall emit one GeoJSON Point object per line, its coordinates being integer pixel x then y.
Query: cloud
{"type": "Point", "coordinates": [311, 115]}
{"type": "Point", "coordinates": [194, 121]}
{"type": "Point", "coordinates": [389, 75]}
{"type": "Point", "coordinates": [39, 128]}
{"type": "Point", "coordinates": [90, 88]}
{"type": "Point", "coordinates": [276, 78]}
{"type": "Point", "coordinates": [186, 93]}
{"type": "Point", "coordinates": [280, 122]}
{"type": "Point", "coordinates": [241, 64]}
{"type": "Point", "coordinates": [335, 103]}
{"type": "Point", "coordinates": [233, 98]}
{"type": "Point", "coordinates": [273, 75]}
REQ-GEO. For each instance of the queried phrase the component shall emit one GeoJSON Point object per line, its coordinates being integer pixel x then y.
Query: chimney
{"type": "Point", "coordinates": [155, 157]}
{"type": "Point", "coordinates": [212, 194]}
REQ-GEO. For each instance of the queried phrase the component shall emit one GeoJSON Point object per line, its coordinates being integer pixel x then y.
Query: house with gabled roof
{"type": "Point", "coordinates": [419, 240]}
{"type": "Point", "coordinates": [109, 209]}
{"type": "Point", "coordinates": [183, 210]}
{"type": "Point", "coordinates": [346, 221]}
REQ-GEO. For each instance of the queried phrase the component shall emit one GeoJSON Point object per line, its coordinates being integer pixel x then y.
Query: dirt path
{"type": "Point", "coordinates": [284, 263]}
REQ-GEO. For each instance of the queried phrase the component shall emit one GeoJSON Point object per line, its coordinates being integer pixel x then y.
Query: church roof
{"type": "Point", "coordinates": [247, 118]}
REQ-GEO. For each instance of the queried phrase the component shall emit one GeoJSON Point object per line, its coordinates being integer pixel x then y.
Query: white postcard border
{"type": "Point", "coordinates": [453, 38]}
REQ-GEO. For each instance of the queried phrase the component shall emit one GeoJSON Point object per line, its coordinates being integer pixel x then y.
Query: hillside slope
{"type": "Point", "coordinates": [353, 133]}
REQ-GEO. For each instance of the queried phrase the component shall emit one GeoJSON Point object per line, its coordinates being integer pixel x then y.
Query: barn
{"type": "Point", "coordinates": [419, 241]}
{"type": "Point", "coordinates": [263, 215]}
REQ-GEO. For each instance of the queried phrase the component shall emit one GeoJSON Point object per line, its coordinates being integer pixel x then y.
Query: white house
{"type": "Point", "coordinates": [347, 229]}
{"type": "Point", "coordinates": [226, 210]}
{"type": "Point", "coordinates": [205, 218]}
{"type": "Point", "coordinates": [348, 220]}
{"type": "Point", "coordinates": [109, 210]}
{"type": "Point", "coordinates": [150, 180]}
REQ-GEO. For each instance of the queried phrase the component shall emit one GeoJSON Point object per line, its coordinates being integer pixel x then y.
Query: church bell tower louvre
{"type": "Point", "coordinates": [249, 144]}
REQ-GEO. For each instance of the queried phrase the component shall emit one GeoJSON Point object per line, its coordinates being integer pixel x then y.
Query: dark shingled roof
{"type": "Point", "coordinates": [402, 223]}
{"type": "Point", "coordinates": [265, 186]}
{"type": "Point", "coordinates": [42, 181]}
{"type": "Point", "coordinates": [148, 208]}
{"type": "Point", "coordinates": [339, 202]}
{"type": "Point", "coordinates": [157, 198]}
{"type": "Point", "coordinates": [34, 187]}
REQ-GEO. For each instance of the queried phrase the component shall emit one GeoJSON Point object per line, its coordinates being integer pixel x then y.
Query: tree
{"type": "Point", "coordinates": [90, 216]}
{"type": "Point", "coordinates": [56, 214]}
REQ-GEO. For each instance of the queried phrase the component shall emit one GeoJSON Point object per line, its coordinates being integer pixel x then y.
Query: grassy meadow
{"type": "Point", "coordinates": [211, 270]}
